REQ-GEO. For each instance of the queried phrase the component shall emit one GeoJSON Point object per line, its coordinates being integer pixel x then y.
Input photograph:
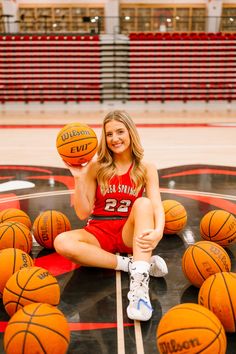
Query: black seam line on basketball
{"type": "Point", "coordinates": [222, 225]}
{"type": "Point", "coordinates": [38, 230]}
{"type": "Point", "coordinates": [168, 229]}
{"type": "Point", "coordinates": [203, 232]}
{"type": "Point", "coordinates": [209, 292]}
{"type": "Point", "coordinates": [9, 226]}
{"type": "Point", "coordinates": [40, 315]}
{"type": "Point", "coordinates": [14, 263]}
{"type": "Point", "coordinates": [28, 290]}
{"type": "Point", "coordinates": [76, 157]}
{"type": "Point", "coordinates": [28, 280]}
{"type": "Point", "coordinates": [77, 139]}
{"type": "Point", "coordinates": [213, 340]}
{"type": "Point", "coordinates": [41, 326]}
{"type": "Point", "coordinates": [186, 329]}
{"type": "Point", "coordinates": [172, 207]}
{"type": "Point", "coordinates": [197, 246]}
{"type": "Point", "coordinates": [185, 307]}
{"type": "Point", "coordinates": [172, 220]}
{"type": "Point", "coordinates": [209, 225]}
{"type": "Point", "coordinates": [230, 301]}
{"type": "Point", "coordinates": [25, 236]}
{"type": "Point", "coordinates": [192, 249]}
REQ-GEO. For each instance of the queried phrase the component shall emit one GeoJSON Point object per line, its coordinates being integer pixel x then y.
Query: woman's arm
{"type": "Point", "coordinates": [85, 188]}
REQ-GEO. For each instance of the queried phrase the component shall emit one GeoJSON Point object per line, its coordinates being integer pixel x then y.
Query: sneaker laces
{"type": "Point", "coordinates": [139, 287]}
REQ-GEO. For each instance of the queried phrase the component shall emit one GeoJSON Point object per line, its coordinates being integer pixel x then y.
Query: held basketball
{"type": "Point", "coordinates": [37, 329]}
{"type": "Point", "coordinates": [76, 143]}
{"type": "Point", "coordinates": [28, 285]}
{"type": "Point", "coordinates": [12, 260]}
{"type": "Point", "coordinates": [217, 293]}
{"type": "Point", "coordinates": [219, 226]}
{"type": "Point", "coordinates": [14, 214]}
{"type": "Point", "coordinates": [190, 328]}
{"type": "Point", "coordinates": [175, 216]}
{"type": "Point", "coordinates": [48, 225]}
{"type": "Point", "coordinates": [203, 259]}
{"type": "Point", "coordinates": [14, 234]}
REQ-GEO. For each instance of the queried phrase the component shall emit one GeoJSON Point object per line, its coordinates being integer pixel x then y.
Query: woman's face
{"type": "Point", "coordinates": [117, 137]}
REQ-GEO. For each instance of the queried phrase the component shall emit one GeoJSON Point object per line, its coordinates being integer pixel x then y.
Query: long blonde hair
{"type": "Point", "coordinates": [107, 167]}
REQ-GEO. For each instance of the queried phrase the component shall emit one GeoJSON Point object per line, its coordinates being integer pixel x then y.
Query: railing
{"type": "Point", "coordinates": [126, 24]}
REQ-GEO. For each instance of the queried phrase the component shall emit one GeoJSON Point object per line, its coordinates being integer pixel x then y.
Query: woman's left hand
{"type": "Point", "coordinates": [149, 239]}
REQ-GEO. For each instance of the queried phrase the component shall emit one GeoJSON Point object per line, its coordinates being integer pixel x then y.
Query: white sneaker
{"type": "Point", "coordinates": [158, 267]}
{"type": "Point", "coordinates": [140, 307]}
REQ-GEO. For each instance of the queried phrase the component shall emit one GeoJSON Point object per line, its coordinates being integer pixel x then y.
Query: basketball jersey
{"type": "Point", "coordinates": [119, 197]}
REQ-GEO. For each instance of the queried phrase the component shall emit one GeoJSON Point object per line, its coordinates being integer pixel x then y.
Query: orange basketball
{"type": "Point", "coordinates": [203, 259]}
{"type": "Point", "coordinates": [37, 329]}
{"type": "Point", "coordinates": [48, 225]}
{"type": "Point", "coordinates": [14, 214]}
{"type": "Point", "coordinates": [76, 143]}
{"type": "Point", "coordinates": [217, 293]}
{"type": "Point", "coordinates": [14, 234]}
{"type": "Point", "coordinates": [190, 328]}
{"type": "Point", "coordinates": [28, 285]}
{"type": "Point", "coordinates": [175, 216]}
{"type": "Point", "coordinates": [11, 260]}
{"type": "Point", "coordinates": [219, 226]}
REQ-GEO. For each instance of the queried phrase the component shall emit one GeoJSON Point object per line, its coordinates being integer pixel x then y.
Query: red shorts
{"type": "Point", "coordinates": [109, 234]}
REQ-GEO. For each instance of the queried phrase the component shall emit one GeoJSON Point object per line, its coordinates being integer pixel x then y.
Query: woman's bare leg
{"type": "Point", "coordinates": [140, 219]}
{"type": "Point", "coordinates": [83, 248]}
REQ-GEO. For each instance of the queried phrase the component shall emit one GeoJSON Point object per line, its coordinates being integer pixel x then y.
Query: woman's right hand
{"type": "Point", "coordinates": [78, 170]}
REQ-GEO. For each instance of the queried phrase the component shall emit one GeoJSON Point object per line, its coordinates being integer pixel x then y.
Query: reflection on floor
{"type": "Point", "coordinates": [89, 296]}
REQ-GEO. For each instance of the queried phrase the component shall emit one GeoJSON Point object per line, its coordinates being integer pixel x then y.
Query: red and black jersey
{"type": "Point", "coordinates": [119, 197]}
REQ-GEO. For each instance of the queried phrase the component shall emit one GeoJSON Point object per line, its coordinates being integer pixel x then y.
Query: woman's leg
{"type": "Point", "coordinates": [83, 248]}
{"type": "Point", "coordinates": [140, 218]}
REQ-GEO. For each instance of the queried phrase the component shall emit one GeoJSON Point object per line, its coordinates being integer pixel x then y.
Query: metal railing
{"type": "Point", "coordinates": [126, 24]}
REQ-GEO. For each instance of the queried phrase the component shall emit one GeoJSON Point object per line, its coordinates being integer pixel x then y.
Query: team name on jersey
{"type": "Point", "coordinates": [121, 188]}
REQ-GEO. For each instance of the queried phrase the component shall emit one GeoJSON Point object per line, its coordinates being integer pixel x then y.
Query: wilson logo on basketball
{"type": "Point", "coordinates": [43, 275]}
{"type": "Point", "coordinates": [73, 133]}
{"type": "Point", "coordinates": [25, 262]}
{"type": "Point", "coordinates": [83, 147]}
{"type": "Point", "coordinates": [175, 347]}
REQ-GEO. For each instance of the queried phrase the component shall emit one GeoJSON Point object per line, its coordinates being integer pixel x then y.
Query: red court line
{"type": "Point", "coordinates": [151, 125]}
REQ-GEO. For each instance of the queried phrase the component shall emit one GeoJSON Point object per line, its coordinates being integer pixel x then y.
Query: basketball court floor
{"type": "Point", "coordinates": [195, 153]}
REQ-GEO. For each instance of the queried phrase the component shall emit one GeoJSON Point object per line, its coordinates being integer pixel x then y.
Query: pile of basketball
{"type": "Point", "coordinates": [31, 294]}
{"type": "Point", "coordinates": [195, 328]}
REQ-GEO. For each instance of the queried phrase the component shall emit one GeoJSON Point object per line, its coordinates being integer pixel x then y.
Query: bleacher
{"type": "Point", "coordinates": [182, 66]}
{"type": "Point", "coordinates": [144, 66]}
{"type": "Point", "coordinates": [49, 68]}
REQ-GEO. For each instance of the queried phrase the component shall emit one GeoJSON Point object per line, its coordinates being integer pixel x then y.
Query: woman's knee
{"type": "Point", "coordinates": [143, 205]}
{"type": "Point", "coordinates": [62, 243]}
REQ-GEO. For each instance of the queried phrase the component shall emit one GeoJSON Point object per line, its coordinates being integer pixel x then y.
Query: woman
{"type": "Point", "coordinates": [109, 191]}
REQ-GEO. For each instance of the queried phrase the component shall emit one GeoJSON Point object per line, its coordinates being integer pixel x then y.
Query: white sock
{"type": "Point", "coordinates": [140, 267]}
{"type": "Point", "coordinates": [122, 263]}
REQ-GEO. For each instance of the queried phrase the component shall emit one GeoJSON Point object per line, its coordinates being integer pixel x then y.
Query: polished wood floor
{"type": "Point", "coordinates": [195, 152]}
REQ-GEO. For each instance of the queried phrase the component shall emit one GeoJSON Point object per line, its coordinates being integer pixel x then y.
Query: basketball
{"type": "Point", "coordinates": [219, 226]}
{"type": "Point", "coordinates": [28, 285]}
{"type": "Point", "coordinates": [15, 259]}
{"type": "Point", "coordinates": [175, 216]}
{"type": "Point", "coordinates": [37, 329]}
{"type": "Point", "coordinates": [14, 214]}
{"type": "Point", "coordinates": [76, 143]}
{"type": "Point", "coordinates": [190, 328]}
{"type": "Point", "coordinates": [14, 234]}
{"type": "Point", "coordinates": [48, 225]}
{"type": "Point", "coordinates": [203, 259]}
{"type": "Point", "coordinates": [217, 293]}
